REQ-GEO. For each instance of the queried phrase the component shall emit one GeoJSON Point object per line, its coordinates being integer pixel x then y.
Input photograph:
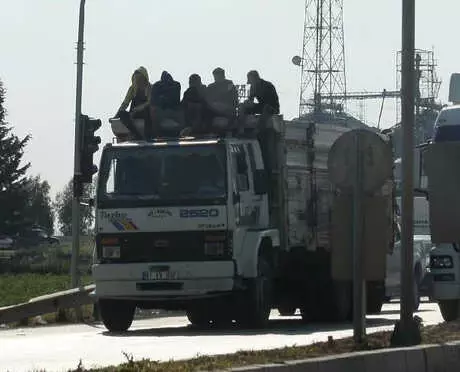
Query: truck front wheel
{"type": "Point", "coordinates": [450, 309]}
{"type": "Point", "coordinates": [256, 303]}
{"type": "Point", "coordinates": [117, 316]}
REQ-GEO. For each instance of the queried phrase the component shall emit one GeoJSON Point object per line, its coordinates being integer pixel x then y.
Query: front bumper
{"type": "Point", "coordinates": [193, 280]}
{"type": "Point", "coordinates": [444, 285]}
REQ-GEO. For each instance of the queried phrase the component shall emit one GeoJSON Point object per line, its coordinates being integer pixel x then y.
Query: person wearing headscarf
{"type": "Point", "coordinates": [165, 105]}
{"type": "Point", "coordinates": [166, 92]}
{"type": "Point", "coordinates": [194, 105]}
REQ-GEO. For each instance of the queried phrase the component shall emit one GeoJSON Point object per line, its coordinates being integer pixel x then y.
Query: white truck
{"type": "Point", "coordinates": [443, 185]}
{"type": "Point", "coordinates": [221, 229]}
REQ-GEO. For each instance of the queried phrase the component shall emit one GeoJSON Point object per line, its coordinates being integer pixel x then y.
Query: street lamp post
{"type": "Point", "coordinates": [77, 172]}
{"type": "Point", "coordinates": [407, 331]}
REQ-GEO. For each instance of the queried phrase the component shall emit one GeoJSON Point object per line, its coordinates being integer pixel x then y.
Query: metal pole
{"type": "Point", "coordinates": [359, 318]}
{"type": "Point", "coordinates": [77, 172]}
{"type": "Point", "coordinates": [408, 121]}
{"type": "Point", "coordinates": [407, 331]}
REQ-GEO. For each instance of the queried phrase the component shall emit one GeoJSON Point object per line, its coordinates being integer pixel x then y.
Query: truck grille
{"type": "Point", "coordinates": [164, 246]}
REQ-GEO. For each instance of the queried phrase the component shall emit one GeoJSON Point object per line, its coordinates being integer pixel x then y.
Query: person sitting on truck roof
{"type": "Point", "coordinates": [165, 100]}
{"type": "Point", "coordinates": [138, 98]}
{"type": "Point", "coordinates": [265, 93]}
{"type": "Point", "coordinates": [166, 92]}
{"type": "Point", "coordinates": [222, 96]}
{"type": "Point", "coordinates": [195, 105]}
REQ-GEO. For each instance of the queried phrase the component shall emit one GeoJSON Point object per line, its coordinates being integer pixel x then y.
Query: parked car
{"type": "Point", "coordinates": [34, 237]}
{"type": "Point", "coordinates": [422, 247]}
{"type": "Point", "coordinates": [6, 242]}
{"type": "Point", "coordinates": [7, 248]}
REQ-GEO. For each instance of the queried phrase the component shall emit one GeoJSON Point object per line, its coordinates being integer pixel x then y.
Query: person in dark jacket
{"type": "Point", "coordinates": [195, 105]}
{"type": "Point", "coordinates": [164, 101]}
{"type": "Point", "coordinates": [265, 93]}
{"type": "Point", "coordinates": [165, 92]}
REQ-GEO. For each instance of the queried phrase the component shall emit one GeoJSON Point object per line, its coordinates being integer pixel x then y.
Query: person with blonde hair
{"type": "Point", "coordinates": [138, 98]}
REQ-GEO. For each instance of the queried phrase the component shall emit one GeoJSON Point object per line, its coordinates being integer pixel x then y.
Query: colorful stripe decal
{"type": "Point", "coordinates": [124, 225]}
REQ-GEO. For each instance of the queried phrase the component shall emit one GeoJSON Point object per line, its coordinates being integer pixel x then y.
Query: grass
{"type": "Point", "coordinates": [437, 334]}
{"type": "Point", "coordinates": [19, 288]}
{"type": "Point", "coordinates": [15, 289]}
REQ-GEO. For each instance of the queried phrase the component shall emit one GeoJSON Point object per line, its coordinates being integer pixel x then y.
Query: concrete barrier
{"type": "Point", "coordinates": [424, 358]}
{"type": "Point", "coordinates": [71, 298]}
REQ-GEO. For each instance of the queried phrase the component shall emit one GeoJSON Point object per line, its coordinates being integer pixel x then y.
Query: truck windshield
{"type": "Point", "coordinates": [168, 175]}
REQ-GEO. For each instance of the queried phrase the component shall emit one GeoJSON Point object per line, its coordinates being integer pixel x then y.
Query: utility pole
{"type": "Point", "coordinates": [359, 285]}
{"type": "Point", "coordinates": [407, 331]}
{"type": "Point", "coordinates": [77, 172]}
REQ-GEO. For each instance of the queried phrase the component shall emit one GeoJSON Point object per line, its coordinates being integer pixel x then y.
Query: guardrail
{"type": "Point", "coordinates": [72, 298]}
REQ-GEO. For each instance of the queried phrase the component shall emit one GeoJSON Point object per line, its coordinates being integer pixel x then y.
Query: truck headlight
{"type": "Point", "coordinates": [441, 262]}
{"type": "Point", "coordinates": [111, 251]}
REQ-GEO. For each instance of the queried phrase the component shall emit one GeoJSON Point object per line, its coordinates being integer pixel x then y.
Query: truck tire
{"type": "Point", "coordinates": [375, 296]}
{"type": "Point", "coordinates": [117, 316]}
{"type": "Point", "coordinates": [450, 309]}
{"type": "Point", "coordinates": [416, 290]}
{"type": "Point", "coordinates": [198, 318]}
{"type": "Point", "coordinates": [343, 302]}
{"type": "Point", "coordinates": [416, 295]}
{"type": "Point", "coordinates": [255, 308]}
{"type": "Point", "coordinates": [332, 303]}
{"type": "Point", "coordinates": [287, 310]}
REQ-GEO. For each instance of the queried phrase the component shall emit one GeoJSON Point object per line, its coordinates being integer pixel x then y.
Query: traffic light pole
{"type": "Point", "coordinates": [407, 331]}
{"type": "Point", "coordinates": [77, 171]}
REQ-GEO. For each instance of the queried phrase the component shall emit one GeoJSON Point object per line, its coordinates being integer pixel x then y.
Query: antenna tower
{"type": "Point", "coordinates": [323, 57]}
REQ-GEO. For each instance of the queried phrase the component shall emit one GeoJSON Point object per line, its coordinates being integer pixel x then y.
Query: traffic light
{"type": "Point", "coordinates": [89, 145]}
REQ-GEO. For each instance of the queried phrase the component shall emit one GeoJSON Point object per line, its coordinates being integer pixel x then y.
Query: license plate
{"type": "Point", "coordinates": [159, 273]}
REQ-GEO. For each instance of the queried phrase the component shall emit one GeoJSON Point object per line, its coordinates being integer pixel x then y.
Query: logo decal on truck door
{"type": "Point", "coordinates": [160, 213]}
{"type": "Point", "coordinates": [125, 224]}
{"type": "Point", "coordinates": [121, 221]}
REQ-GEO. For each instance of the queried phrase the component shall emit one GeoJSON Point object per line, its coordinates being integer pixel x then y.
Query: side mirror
{"type": "Point", "coordinates": [424, 192]}
{"type": "Point", "coordinates": [260, 182]}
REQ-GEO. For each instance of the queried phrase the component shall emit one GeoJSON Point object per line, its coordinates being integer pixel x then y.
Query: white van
{"type": "Point", "coordinates": [447, 124]}
{"type": "Point", "coordinates": [445, 256]}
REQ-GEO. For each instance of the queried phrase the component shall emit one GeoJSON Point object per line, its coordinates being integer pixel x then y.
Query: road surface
{"type": "Point", "coordinates": [59, 348]}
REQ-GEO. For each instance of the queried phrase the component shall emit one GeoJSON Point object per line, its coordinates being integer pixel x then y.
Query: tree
{"type": "Point", "coordinates": [13, 179]}
{"type": "Point", "coordinates": [63, 206]}
{"type": "Point", "coordinates": [39, 209]}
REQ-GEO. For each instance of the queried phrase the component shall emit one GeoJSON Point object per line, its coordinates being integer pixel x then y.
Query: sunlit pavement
{"type": "Point", "coordinates": [59, 348]}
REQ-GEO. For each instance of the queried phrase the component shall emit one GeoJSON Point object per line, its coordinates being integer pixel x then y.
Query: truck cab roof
{"type": "Point", "coordinates": [181, 141]}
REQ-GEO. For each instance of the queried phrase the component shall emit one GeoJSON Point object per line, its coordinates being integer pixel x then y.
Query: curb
{"type": "Point", "coordinates": [425, 358]}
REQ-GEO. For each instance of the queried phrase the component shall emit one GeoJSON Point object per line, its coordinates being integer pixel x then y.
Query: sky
{"type": "Point", "coordinates": [38, 55]}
